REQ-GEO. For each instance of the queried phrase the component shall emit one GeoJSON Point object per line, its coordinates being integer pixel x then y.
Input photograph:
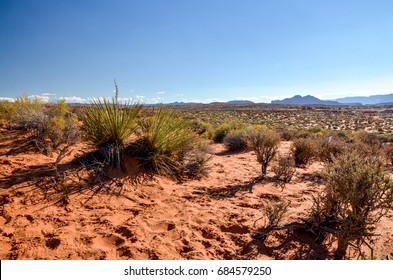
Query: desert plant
{"type": "Point", "coordinates": [329, 148]}
{"type": "Point", "coordinates": [8, 112]}
{"type": "Point", "coordinates": [220, 132]}
{"type": "Point", "coordinates": [202, 128]}
{"type": "Point", "coordinates": [303, 150]}
{"type": "Point", "coordinates": [108, 124]}
{"type": "Point", "coordinates": [275, 211]}
{"type": "Point", "coordinates": [164, 143]}
{"type": "Point", "coordinates": [389, 154]}
{"type": "Point", "coordinates": [284, 169]}
{"type": "Point", "coordinates": [265, 145]}
{"type": "Point", "coordinates": [234, 140]}
{"type": "Point", "coordinates": [357, 195]}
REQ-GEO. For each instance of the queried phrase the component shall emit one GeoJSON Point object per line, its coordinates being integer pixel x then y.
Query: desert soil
{"type": "Point", "coordinates": [215, 217]}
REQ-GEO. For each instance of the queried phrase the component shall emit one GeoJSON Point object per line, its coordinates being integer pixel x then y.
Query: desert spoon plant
{"type": "Point", "coordinates": [108, 124]}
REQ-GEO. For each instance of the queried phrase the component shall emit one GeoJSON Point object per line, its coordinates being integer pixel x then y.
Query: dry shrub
{"type": "Point", "coordinates": [194, 163]}
{"type": "Point", "coordinates": [357, 195]}
{"type": "Point", "coordinates": [52, 128]}
{"type": "Point", "coordinates": [284, 169]}
{"type": "Point", "coordinates": [234, 141]}
{"type": "Point", "coordinates": [265, 145]}
{"type": "Point", "coordinates": [303, 151]}
{"type": "Point", "coordinates": [389, 154]}
{"type": "Point", "coordinates": [220, 133]}
{"type": "Point", "coordinates": [329, 148]}
{"type": "Point", "coordinates": [275, 211]}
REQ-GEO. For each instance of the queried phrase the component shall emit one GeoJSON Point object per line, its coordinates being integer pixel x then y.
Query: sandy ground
{"type": "Point", "coordinates": [215, 217]}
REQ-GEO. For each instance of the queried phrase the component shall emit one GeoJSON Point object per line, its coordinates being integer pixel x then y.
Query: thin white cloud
{"type": "Point", "coordinates": [156, 100]}
{"type": "Point", "coordinates": [161, 92]}
{"type": "Point", "coordinates": [44, 99]}
{"type": "Point", "coordinates": [74, 99]}
{"type": "Point", "coordinates": [7, 99]}
{"type": "Point", "coordinates": [48, 94]}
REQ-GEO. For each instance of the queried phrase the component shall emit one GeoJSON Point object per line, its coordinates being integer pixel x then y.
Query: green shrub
{"type": "Point", "coordinates": [357, 195]}
{"type": "Point", "coordinates": [265, 145]}
{"type": "Point", "coordinates": [8, 111]}
{"type": "Point", "coordinates": [202, 128]}
{"type": "Point", "coordinates": [303, 151]}
{"type": "Point", "coordinates": [164, 144]}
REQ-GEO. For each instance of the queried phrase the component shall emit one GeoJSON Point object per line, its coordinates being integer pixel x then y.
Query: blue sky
{"type": "Point", "coordinates": [195, 50]}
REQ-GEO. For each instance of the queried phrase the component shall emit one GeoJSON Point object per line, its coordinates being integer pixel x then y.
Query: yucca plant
{"type": "Point", "coordinates": [108, 124]}
{"type": "Point", "coordinates": [164, 143]}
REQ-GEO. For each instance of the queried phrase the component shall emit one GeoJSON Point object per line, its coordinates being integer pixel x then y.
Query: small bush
{"type": "Point", "coordinates": [8, 111]}
{"type": "Point", "coordinates": [357, 195]}
{"type": "Point", "coordinates": [220, 133]}
{"type": "Point", "coordinates": [303, 151]}
{"type": "Point", "coordinates": [286, 134]}
{"type": "Point", "coordinates": [275, 211]}
{"type": "Point", "coordinates": [284, 169]}
{"type": "Point", "coordinates": [52, 127]}
{"type": "Point", "coordinates": [202, 128]}
{"type": "Point", "coordinates": [329, 148]}
{"type": "Point", "coordinates": [389, 154]}
{"type": "Point", "coordinates": [265, 145]}
{"type": "Point", "coordinates": [234, 141]}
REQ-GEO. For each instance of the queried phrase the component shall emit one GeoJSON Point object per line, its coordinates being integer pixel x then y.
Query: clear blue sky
{"type": "Point", "coordinates": [196, 50]}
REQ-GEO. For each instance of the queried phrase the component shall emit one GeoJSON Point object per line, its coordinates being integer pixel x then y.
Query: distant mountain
{"type": "Point", "coordinates": [240, 102]}
{"type": "Point", "coordinates": [177, 104]}
{"type": "Point", "coordinates": [305, 100]}
{"type": "Point", "coordinates": [367, 100]}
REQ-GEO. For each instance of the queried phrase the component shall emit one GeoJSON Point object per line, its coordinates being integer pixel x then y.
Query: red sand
{"type": "Point", "coordinates": [212, 218]}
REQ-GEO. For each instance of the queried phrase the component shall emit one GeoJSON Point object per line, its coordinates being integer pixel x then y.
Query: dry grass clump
{"type": "Point", "coordinates": [265, 145]}
{"type": "Point", "coordinates": [303, 151]}
{"type": "Point", "coordinates": [357, 195]}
